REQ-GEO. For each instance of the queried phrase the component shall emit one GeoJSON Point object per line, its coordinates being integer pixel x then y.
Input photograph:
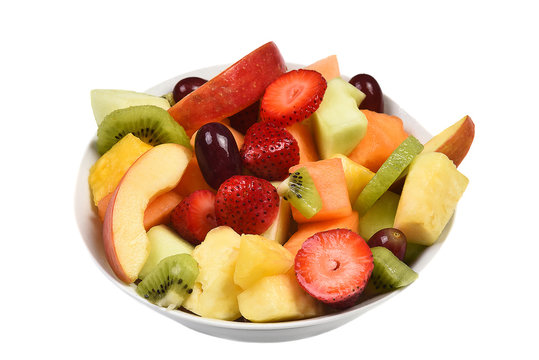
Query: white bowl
{"type": "Point", "coordinates": [90, 229]}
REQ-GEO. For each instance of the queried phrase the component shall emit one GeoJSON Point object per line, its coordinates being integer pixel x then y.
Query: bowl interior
{"type": "Point", "coordinates": [90, 228]}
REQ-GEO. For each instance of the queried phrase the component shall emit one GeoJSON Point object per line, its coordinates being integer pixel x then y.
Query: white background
{"type": "Point", "coordinates": [476, 299]}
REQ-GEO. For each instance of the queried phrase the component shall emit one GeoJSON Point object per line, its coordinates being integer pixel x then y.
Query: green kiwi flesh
{"type": "Point", "coordinates": [149, 123]}
{"type": "Point", "coordinates": [389, 272]}
{"type": "Point", "coordinates": [300, 191]}
{"type": "Point", "coordinates": [170, 282]}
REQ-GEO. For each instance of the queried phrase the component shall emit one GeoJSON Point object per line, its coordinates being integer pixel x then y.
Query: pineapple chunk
{"type": "Point", "coordinates": [357, 176]}
{"type": "Point", "coordinates": [259, 258]}
{"type": "Point", "coordinates": [277, 298]}
{"type": "Point", "coordinates": [215, 295]}
{"type": "Point", "coordinates": [108, 170]}
{"type": "Point", "coordinates": [429, 197]}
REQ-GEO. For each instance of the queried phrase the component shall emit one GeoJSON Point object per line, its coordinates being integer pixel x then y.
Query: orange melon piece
{"type": "Point", "coordinates": [307, 147]}
{"type": "Point", "coordinates": [328, 67]}
{"type": "Point", "coordinates": [328, 177]}
{"type": "Point", "coordinates": [157, 212]}
{"type": "Point", "coordinates": [305, 231]}
{"type": "Point", "coordinates": [192, 179]}
{"type": "Point", "coordinates": [384, 134]}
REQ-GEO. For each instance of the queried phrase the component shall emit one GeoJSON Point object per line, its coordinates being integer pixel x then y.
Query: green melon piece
{"type": "Point", "coordinates": [338, 124]}
{"type": "Point", "coordinates": [380, 216]}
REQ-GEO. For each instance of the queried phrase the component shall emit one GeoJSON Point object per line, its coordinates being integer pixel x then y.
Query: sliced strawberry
{"type": "Point", "coordinates": [334, 266]}
{"type": "Point", "coordinates": [247, 204]}
{"type": "Point", "coordinates": [292, 97]}
{"type": "Point", "coordinates": [195, 216]}
{"type": "Point", "coordinates": [243, 120]}
{"type": "Point", "coordinates": [269, 151]}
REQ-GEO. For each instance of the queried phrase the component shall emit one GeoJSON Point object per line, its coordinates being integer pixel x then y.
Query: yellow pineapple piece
{"type": "Point", "coordinates": [215, 295]}
{"type": "Point", "coordinates": [356, 175]}
{"type": "Point", "coordinates": [109, 169]}
{"type": "Point", "coordinates": [258, 258]}
{"type": "Point", "coordinates": [429, 197]}
{"type": "Point", "coordinates": [277, 298]}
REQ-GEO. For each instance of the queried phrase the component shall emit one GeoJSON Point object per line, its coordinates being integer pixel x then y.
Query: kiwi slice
{"type": "Point", "coordinates": [300, 191]}
{"type": "Point", "coordinates": [389, 272]}
{"type": "Point", "coordinates": [149, 123]}
{"type": "Point", "coordinates": [390, 170]}
{"type": "Point", "coordinates": [170, 282]}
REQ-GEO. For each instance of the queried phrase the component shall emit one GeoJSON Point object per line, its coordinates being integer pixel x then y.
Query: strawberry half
{"type": "Point", "coordinates": [292, 97]}
{"type": "Point", "coordinates": [247, 204]}
{"type": "Point", "coordinates": [334, 266]}
{"type": "Point", "coordinates": [269, 151]}
{"type": "Point", "coordinates": [243, 120]}
{"type": "Point", "coordinates": [195, 216]}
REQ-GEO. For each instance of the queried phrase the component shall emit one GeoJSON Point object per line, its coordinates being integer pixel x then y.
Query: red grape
{"type": "Point", "coordinates": [392, 239]}
{"type": "Point", "coordinates": [186, 86]}
{"type": "Point", "coordinates": [374, 99]}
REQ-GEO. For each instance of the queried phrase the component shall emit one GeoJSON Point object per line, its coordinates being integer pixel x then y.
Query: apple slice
{"type": "Point", "coordinates": [234, 89]}
{"type": "Point", "coordinates": [455, 141]}
{"type": "Point", "coordinates": [154, 173]}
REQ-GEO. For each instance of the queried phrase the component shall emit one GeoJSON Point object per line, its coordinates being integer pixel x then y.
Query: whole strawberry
{"type": "Point", "coordinates": [269, 151]}
{"type": "Point", "coordinates": [247, 204]}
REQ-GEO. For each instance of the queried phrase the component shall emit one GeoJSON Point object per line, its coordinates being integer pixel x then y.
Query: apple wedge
{"type": "Point", "coordinates": [455, 141]}
{"type": "Point", "coordinates": [154, 173]}
{"type": "Point", "coordinates": [234, 89]}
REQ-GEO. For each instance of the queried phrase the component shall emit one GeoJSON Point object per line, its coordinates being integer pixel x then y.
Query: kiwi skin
{"type": "Point", "coordinates": [171, 282]}
{"type": "Point", "coordinates": [149, 123]}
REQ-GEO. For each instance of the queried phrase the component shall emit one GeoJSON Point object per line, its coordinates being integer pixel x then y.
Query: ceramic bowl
{"type": "Point", "coordinates": [90, 229]}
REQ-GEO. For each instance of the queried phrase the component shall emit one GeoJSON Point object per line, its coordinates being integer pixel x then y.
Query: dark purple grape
{"type": "Point", "coordinates": [392, 239]}
{"type": "Point", "coordinates": [187, 86]}
{"type": "Point", "coordinates": [374, 99]}
{"type": "Point", "coordinates": [217, 154]}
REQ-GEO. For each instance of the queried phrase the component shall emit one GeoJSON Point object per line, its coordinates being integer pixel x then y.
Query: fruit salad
{"type": "Point", "coordinates": [266, 194]}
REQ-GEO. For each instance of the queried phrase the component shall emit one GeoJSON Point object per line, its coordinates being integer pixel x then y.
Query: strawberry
{"type": "Point", "coordinates": [292, 97]}
{"type": "Point", "coordinates": [245, 118]}
{"type": "Point", "coordinates": [269, 151]}
{"type": "Point", "coordinates": [334, 266]}
{"type": "Point", "coordinates": [247, 204]}
{"type": "Point", "coordinates": [194, 216]}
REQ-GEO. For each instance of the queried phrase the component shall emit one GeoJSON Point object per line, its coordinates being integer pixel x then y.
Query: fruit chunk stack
{"type": "Point", "coordinates": [271, 200]}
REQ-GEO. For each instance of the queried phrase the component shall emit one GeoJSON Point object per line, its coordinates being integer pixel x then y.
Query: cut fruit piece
{"type": "Point", "coordinates": [338, 125]}
{"type": "Point", "coordinates": [277, 298]}
{"type": "Point", "coordinates": [328, 67]}
{"type": "Point", "coordinates": [215, 295]}
{"type": "Point", "coordinates": [105, 101]}
{"type": "Point", "coordinates": [380, 216]}
{"type": "Point", "coordinates": [300, 191]}
{"type": "Point", "coordinates": [307, 147]}
{"type": "Point", "coordinates": [150, 124]}
{"type": "Point", "coordinates": [357, 176]}
{"type": "Point", "coordinates": [192, 179]}
{"type": "Point", "coordinates": [164, 242]}
{"type": "Point", "coordinates": [292, 97]}
{"type": "Point", "coordinates": [258, 258]}
{"type": "Point", "coordinates": [389, 272]}
{"type": "Point", "coordinates": [307, 230]}
{"type": "Point", "coordinates": [455, 141]}
{"type": "Point", "coordinates": [329, 180]}
{"type": "Point", "coordinates": [279, 229]}
{"type": "Point", "coordinates": [334, 266]}
{"type": "Point", "coordinates": [246, 118]}
{"type": "Point", "coordinates": [109, 169]}
{"type": "Point", "coordinates": [173, 278]}
{"type": "Point", "coordinates": [234, 89]}
{"type": "Point", "coordinates": [124, 236]}
{"type": "Point", "coordinates": [384, 134]}
{"type": "Point", "coordinates": [194, 216]}
{"type": "Point", "coordinates": [429, 197]}
{"type": "Point", "coordinates": [387, 174]}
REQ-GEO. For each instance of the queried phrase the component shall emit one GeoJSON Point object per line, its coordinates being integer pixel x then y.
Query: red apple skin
{"type": "Point", "coordinates": [454, 141]}
{"type": "Point", "coordinates": [234, 89]}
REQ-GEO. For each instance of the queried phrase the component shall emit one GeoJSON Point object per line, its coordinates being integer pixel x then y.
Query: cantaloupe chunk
{"type": "Point", "coordinates": [157, 212]}
{"type": "Point", "coordinates": [328, 67]}
{"type": "Point", "coordinates": [307, 147]}
{"type": "Point", "coordinates": [328, 177]}
{"type": "Point", "coordinates": [192, 179]}
{"type": "Point", "coordinates": [429, 197]}
{"type": "Point", "coordinates": [307, 230]}
{"type": "Point", "coordinates": [384, 134]}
